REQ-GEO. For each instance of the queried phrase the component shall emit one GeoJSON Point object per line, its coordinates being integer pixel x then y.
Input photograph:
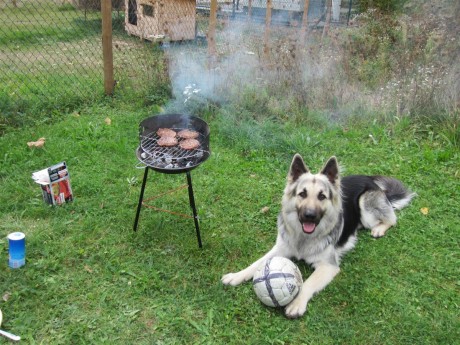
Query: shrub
{"type": "Point", "coordinates": [405, 61]}
{"type": "Point", "coordinates": [385, 6]}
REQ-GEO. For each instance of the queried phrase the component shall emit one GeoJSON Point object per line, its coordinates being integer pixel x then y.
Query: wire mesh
{"type": "Point", "coordinates": [48, 49]}
{"type": "Point", "coordinates": [51, 50]}
{"type": "Point", "coordinates": [51, 54]}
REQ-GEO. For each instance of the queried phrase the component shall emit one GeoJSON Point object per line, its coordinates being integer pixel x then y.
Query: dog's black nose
{"type": "Point", "coordinates": [308, 216]}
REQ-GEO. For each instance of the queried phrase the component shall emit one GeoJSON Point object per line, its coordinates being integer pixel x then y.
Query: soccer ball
{"type": "Point", "coordinates": [277, 282]}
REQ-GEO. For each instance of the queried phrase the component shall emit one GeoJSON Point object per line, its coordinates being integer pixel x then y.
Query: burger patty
{"type": "Point", "coordinates": [188, 134]}
{"type": "Point", "coordinates": [166, 132]}
{"type": "Point", "coordinates": [167, 141]}
{"type": "Point", "coordinates": [189, 144]}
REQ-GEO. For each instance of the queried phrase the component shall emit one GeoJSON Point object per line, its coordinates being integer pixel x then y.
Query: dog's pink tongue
{"type": "Point", "coordinates": [308, 227]}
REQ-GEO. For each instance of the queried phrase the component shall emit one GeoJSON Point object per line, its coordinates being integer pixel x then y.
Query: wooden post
{"type": "Point", "coordinates": [212, 28]}
{"type": "Point", "coordinates": [107, 54]}
{"type": "Point", "coordinates": [268, 21]}
{"type": "Point", "coordinates": [303, 30]}
{"type": "Point", "coordinates": [328, 20]}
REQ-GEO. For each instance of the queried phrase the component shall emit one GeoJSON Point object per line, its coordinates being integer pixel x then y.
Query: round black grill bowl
{"type": "Point", "coordinates": [172, 160]}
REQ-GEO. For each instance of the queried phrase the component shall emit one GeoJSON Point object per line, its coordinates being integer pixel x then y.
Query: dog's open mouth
{"type": "Point", "coordinates": [308, 228]}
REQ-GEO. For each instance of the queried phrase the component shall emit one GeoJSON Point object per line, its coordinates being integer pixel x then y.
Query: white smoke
{"type": "Point", "coordinates": [242, 64]}
{"type": "Point", "coordinates": [197, 79]}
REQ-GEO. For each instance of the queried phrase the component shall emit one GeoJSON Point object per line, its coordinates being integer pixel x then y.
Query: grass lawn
{"type": "Point", "coordinates": [89, 279]}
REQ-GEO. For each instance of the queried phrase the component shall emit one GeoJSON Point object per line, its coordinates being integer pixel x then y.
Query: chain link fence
{"type": "Point", "coordinates": [51, 56]}
{"type": "Point", "coordinates": [51, 50]}
{"type": "Point", "coordinates": [48, 50]}
{"type": "Point", "coordinates": [286, 12]}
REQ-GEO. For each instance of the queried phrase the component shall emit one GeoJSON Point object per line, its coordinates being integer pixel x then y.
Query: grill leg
{"type": "Point", "coordinates": [141, 197]}
{"type": "Point", "coordinates": [192, 205]}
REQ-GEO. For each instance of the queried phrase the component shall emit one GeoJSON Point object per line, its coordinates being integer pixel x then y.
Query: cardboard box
{"type": "Point", "coordinates": [55, 184]}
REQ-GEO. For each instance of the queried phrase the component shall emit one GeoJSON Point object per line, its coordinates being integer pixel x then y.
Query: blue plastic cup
{"type": "Point", "coordinates": [17, 249]}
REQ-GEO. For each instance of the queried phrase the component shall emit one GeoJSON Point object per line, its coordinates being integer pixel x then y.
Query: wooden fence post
{"type": "Point", "coordinates": [107, 54]}
{"type": "Point", "coordinates": [211, 36]}
{"type": "Point", "coordinates": [303, 30]}
{"type": "Point", "coordinates": [268, 21]}
{"type": "Point", "coordinates": [327, 22]}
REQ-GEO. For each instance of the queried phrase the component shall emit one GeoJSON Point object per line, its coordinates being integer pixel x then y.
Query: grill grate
{"type": "Point", "coordinates": [153, 155]}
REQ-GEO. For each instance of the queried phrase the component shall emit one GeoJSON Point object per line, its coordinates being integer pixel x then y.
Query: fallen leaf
{"type": "Point", "coordinates": [39, 143]}
{"type": "Point", "coordinates": [424, 210]}
{"type": "Point", "coordinates": [108, 121]}
{"type": "Point", "coordinates": [88, 269]}
{"type": "Point", "coordinates": [265, 209]}
{"type": "Point", "coordinates": [6, 296]}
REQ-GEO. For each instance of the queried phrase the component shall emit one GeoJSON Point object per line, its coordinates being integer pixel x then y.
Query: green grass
{"type": "Point", "coordinates": [89, 279]}
{"type": "Point", "coordinates": [51, 62]}
{"type": "Point", "coordinates": [34, 24]}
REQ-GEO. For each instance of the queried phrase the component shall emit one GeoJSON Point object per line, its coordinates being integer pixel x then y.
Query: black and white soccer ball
{"type": "Point", "coordinates": [277, 281]}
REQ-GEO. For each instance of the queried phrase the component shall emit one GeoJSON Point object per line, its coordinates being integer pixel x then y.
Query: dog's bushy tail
{"type": "Point", "coordinates": [398, 195]}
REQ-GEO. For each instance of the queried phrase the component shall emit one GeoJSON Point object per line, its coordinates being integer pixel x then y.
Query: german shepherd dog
{"type": "Point", "coordinates": [319, 219]}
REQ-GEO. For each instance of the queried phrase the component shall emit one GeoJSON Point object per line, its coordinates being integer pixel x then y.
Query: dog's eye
{"type": "Point", "coordinates": [321, 196]}
{"type": "Point", "coordinates": [303, 194]}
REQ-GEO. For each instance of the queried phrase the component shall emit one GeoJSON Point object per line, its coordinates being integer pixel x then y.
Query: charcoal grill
{"type": "Point", "coordinates": [171, 160]}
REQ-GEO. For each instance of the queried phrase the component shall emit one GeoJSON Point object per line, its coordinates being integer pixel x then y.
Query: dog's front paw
{"type": "Point", "coordinates": [296, 308]}
{"type": "Point", "coordinates": [379, 231]}
{"type": "Point", "coordinates": [232, 279]}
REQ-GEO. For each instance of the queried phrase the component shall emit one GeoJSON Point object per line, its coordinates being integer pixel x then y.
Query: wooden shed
{"type": "Point", "coordinates": [173, 20]}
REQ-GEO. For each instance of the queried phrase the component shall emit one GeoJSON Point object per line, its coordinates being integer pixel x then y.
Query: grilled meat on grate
{"type": "Point", "coordinates": [181, 157]}
{"type": "Point", "coordinates": [166, 132]}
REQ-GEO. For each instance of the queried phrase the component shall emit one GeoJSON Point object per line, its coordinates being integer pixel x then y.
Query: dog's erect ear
{"type": "Point", "coordinates": [331, 170]}
{"type": "Point", "coordinates": [298, 168]}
